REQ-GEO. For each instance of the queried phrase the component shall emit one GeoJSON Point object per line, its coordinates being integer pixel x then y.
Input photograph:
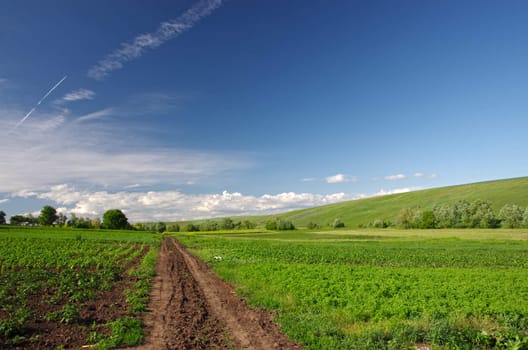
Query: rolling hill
{"type": "Point", "coordinates": [362, 211]}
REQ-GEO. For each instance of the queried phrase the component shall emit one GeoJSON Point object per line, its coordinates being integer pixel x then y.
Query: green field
{"type": "Point", "coordinates": [389, 289]}
{"type": "Point", "coordinates": [80, 286]}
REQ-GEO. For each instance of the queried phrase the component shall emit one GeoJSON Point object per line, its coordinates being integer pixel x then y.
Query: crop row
{"type": "Point", "coordinates": [390, 253]}
{"type": "Point", "coordinates": [450, 293]}
{"type": "Point", "coordinates": [51, 283]}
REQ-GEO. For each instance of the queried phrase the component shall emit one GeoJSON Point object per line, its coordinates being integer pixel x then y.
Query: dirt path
{"type": "Point", "coordinates": [191, 308]}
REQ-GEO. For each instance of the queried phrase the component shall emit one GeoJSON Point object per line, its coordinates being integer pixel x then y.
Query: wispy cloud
{"type": "Point", "coordinates": [95, 115]}
{"type": "Point", "coordinates": [5, 200]}
{"type": "Point", "coordinates": [53, 150]}
{"type": "Point", "coordinates": [395, 177]}
{"type": "Point", "coordinates": [166, 31]}
{"type": "Point", "coordinates": [427, 176]}
{"type": "Point", "coordinates": [340, 178]}
{"type": "Point", "coordinates": [78, 95]}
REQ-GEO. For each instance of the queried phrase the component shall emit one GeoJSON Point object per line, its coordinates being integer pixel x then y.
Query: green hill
{"type": "Point", "coordinates": [362, 211]}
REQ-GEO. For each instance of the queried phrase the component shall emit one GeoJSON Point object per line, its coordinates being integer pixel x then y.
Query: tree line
{"type": "Point", "coordinates": [461, 214]}
{"type": "Point", "coordinates": [210, 225]}
{"type": "Point", "coordinates": [112, 219]}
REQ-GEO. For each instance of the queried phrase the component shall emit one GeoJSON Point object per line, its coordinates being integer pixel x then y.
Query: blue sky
{"type": "Point", "coordinates": [184, 109]}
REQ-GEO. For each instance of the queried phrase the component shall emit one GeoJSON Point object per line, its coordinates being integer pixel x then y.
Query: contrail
{"type": "Point", "coordinates": [38, 103]}
{"type": "Point", "coordinates": [51, 90]}
{"type": "Point", "coordinates": [166, 31]}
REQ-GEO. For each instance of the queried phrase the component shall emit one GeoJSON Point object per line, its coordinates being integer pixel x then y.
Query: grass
{"type": "Point", "coordinates": [360, 212]}
{"type": "Point", "coordinates": [382, 288]}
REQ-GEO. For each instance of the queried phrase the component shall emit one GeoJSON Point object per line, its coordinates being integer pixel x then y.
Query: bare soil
{"type": "Point", "coordinates": [108, 305]}
{"type": "Point", "coordinates": [192, 308]}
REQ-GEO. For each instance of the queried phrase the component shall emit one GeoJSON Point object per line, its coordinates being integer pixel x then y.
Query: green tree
{"type": "Point", "coordinates": [227, 224]}
{"type": "Point", "coordinates": [511, 216]}
{"type": "Point", "coordinates": [285, 225]}
{"type": "Point", "coordinates": [483, 215]}
{"type": "Point", "coordinates": [161, 227]}
{"type": "Point", "coordinates": [406, 218]}
{"type": "Point", "coordinates": [462, 214]}
{"type": "Point", "coordinates": [174, 228]}
{"type": "Point", "coordinates": [48, 216]}
{"type": "Point", "coordinates": [95, 223]}
{"type": "Point", "coordinates": [427, 221]}
{"type": "Point", "coordinates": [2, 217]}
{"type": "Point", "coordinates": [62, 219]}
{"type": "Point", "coordinates": [525, 218]}
{"type": "Point", "coordinates": [209, 226]}
{"type": "Point", "coordinates": [115, 219]}
{"type": "Point", "coordinates": [248, 224]}
{"type": "Point", "coordinates": [190, 227]}
{"type": "Point", "coordinates": [271, 225]}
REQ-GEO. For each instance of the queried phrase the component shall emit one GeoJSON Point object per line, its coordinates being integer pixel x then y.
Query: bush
{"type": "Point", "coordinates": [338, 224]}
{"type": "Point", "coordinates": [379, 223]}
{"type": "Point", "coordinates": [271, 225]}
{"type": "Point", "coordinates": [161, 227]}
{"type": "Point", "coordinates": [279, 224]}
{"type": "Point", "coordinates": [312, 225]}
{"type": "Point", "coordinates": [191, 228]}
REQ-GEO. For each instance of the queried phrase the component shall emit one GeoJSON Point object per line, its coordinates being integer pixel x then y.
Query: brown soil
{"type": "Point", "coordinates": [108, 305]}
{"type": "Point", "coordinates": [191, 308]}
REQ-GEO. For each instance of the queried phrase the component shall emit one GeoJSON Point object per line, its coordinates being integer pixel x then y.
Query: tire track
{"type": "Point", "coordinates": [191, 308]}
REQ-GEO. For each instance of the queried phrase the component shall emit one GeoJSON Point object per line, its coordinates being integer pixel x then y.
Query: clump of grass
{"type": "Point", "coordinates": [127, 331]}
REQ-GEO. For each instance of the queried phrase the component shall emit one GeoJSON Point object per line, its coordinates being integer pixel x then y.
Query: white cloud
{"type": "Point", "coordinates": [167, 30]}
{"type": "Point", "coordinates": [5, 200]}
{"type": "Point", "coordinates": [395, 177]}
{"type": "Point", "coordinates": [78, 95]}
{"type": "Point", "coordinates": [49, 149]}
{"type": "Point", "coordinates": [340, 178]}
{"type": "Point", "coordinates": [174, 205]}
{"type": "Point", "coordinates": [427, 176]}
{"type": "Point", "coordinates": [383, 192]}
{"type": "Point", "coordinates": [95, 115]}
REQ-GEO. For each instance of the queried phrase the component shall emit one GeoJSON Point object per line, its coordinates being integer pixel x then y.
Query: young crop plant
{"type": "Point", "coordinates": [381, 290]}
{"type": "Point", "coordinates": [53, 283]}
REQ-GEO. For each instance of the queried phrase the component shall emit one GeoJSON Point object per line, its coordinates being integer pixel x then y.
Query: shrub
{"type": "Point", "coordinates": [338, 224]}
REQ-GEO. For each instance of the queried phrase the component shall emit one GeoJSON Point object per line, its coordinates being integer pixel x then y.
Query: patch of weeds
{"type": "Point", "coordinates": [69, 314]}
{"type": "Point", "coordinates": [52, 316]}
{"type": "Point", "coordinates": [127, 331]}
{"type": "Point", "coordinates": [15, 323]}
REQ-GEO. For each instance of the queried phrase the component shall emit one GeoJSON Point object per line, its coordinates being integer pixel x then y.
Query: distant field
{"type": "Point", "coordinates": [66, 287]}
{"type": "Point", "coordinates": [388, 289]}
